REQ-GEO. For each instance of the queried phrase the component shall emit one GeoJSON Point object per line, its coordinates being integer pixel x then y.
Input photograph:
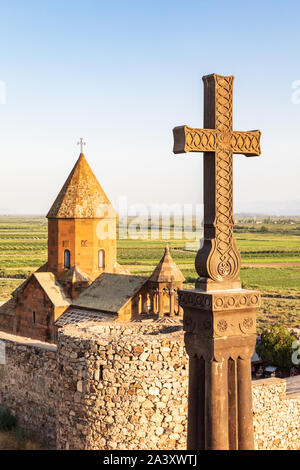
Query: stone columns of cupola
{"type": "Point", "coordinates": [160, 295]}
{"type": "Point", "coordinates": [172, 294]}
{"type": "Point", "coordinates": [163, 300]}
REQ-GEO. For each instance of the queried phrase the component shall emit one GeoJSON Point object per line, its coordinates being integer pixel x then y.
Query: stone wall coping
{"type": "Point", "coordinates": [291, 386]}
{"type": "Point", "coordinates": [140, 330]}
{"type": "Point", "coordinates": [268, 382]}
{"type": "Point", "coordinates": [293, 396]}
{"type": "Point", "coordinates": [21, 340]}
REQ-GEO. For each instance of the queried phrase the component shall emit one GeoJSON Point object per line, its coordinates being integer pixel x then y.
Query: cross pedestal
{"type": "Point", "coordinates": [219, 316]}
{"type": "Point", "coordinates": [220, 336]}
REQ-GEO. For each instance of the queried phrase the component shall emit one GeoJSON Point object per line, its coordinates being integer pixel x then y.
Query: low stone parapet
{"type": "Point", "coordinates": [124, 386]}
{"type": "Point", "coordinates": [28, 384]}
{"type": "Point", "coordinates": [276, 414]}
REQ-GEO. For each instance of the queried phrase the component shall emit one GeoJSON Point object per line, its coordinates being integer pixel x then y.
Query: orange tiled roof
{"type": "Point", "coordinates": [109, 292]}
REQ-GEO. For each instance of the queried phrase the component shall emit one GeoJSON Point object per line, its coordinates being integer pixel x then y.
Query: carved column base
{"type": "Point", "coordinates": [220, 337]}
{"type": "Point", "coordinates": [208, 285]}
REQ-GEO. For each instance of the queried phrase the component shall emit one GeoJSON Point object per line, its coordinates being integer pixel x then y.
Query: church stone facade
{"type": "Point", "coordinates": [82, 279]}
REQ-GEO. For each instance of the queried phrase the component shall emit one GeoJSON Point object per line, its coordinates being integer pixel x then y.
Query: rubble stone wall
{"type": "Point", "coordinates": [122, 386]}
{"type": "Point", "coordinates": [276, 415]}
{"type": "Point", "coordinates": [28, 385]}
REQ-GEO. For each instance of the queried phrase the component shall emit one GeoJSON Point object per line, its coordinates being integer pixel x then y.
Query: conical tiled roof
{"type": "Point", "coordinates": [167, 270]}
{"type": "Point", "coordinates": [81, 196]}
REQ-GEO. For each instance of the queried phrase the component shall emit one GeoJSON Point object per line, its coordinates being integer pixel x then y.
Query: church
{"type": "Point", "coordinates": [82, 279]}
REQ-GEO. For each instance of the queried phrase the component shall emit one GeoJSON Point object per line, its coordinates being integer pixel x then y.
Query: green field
{"type": "Point", "coordinates": [270, 250]}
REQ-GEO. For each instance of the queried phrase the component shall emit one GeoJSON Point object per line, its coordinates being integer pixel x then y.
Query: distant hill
{"type": "Point", "coordinates": [265, 208]}
{"type": "Point", "coordinates": [279, 208]}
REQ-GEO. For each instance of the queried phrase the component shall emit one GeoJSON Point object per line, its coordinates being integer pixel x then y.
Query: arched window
{"type": "Point", "coordinates": [101, 259]}
{"type": "Point", "coordinates": [67, 259]}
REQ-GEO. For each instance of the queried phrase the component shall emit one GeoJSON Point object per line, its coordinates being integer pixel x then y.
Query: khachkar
{"type": "Point", "coordinates": [219, 316]}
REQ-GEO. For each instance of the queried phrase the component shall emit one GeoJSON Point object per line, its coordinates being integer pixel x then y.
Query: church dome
{"type": "Point", "coordinates": [167, 270]}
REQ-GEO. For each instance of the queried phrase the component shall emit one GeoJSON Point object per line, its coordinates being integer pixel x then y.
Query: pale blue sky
{"type": "Point", "coordinates": [122, 74]}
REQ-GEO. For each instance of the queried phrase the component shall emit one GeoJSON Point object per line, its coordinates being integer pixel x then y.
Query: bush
{"type": "Point", "coordinates": [7, 419]}
{"type": "Point", "coordinates": [276, 346]}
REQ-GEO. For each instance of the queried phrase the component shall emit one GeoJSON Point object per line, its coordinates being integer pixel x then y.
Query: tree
{"type": "Point", "coordinates": [276, 346]}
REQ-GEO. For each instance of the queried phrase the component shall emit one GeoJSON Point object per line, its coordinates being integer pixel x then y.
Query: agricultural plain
{"type": "Point", "coordinates": [270, 249]}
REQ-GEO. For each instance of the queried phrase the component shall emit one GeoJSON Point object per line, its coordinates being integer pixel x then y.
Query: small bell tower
{"type": "Point", "coordinates": [164, 284]}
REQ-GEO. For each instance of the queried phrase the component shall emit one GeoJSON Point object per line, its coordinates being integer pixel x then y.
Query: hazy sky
{"type": "Point", "coordinates": [122, 74]}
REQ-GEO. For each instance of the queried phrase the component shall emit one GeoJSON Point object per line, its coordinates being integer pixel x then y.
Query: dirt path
{"type": "Point", "coordinates": [292, 299]}
{"type": "Point", "coordinates": [272, 265]}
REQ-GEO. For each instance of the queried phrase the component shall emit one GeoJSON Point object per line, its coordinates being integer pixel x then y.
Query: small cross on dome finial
{"type": "Point", "coordinates": [81, 143]}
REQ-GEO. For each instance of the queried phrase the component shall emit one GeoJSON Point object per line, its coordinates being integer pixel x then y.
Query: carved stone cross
{"type": "Point", "coordinates": [219, 316]}
{"type": "Point", "coordinates": [218, 262]}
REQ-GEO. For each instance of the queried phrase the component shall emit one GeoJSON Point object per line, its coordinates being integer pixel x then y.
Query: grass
{"type": "Point", "coordinates": [7, 286]}
{"type": "Point", "coordinates": [275, 278]}
{"type": "Point", "coordinates": [270, 250]}
{"type": "Point", "coordinates": [274, 311]}
{"type": "Point", "coordinates": [12, 437]}
{"type": "Point", "coordinates": [16, 440]}
{"type": "Point", "coordinates": [23, 245]}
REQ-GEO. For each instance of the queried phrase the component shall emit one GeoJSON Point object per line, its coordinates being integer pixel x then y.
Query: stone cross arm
{"type": "Point", "coordinates": [187, 139]}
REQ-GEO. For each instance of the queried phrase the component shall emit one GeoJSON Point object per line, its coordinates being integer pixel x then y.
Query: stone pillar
{"type": "Point", "coordinates": [216, 405]}
{"type": "Point", "coordinates": [180, 311]}
{"type": "Point", "coordinates": [160, 304]}
{"type": "Point", "coordinates": [220, 336]}
{"type": "Point", "coordinates": [245, 422]}
{"type": "Point", "coordinates": [145, 302]}
{"type": "Point", "coordinates": [232, 405]}
{"type": "Point", "coordinates": [153, 301]}
{"type": "Point", "coordinates": [196, 418]}
{"type": "Point", "coordinates": [172, 302]}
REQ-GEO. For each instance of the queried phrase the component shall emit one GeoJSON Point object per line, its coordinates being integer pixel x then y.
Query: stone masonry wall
{"type": "Point", "coordinates": [276, 415]}
{"type": "Point", "coordinates": [122, 386]}
{"type": "Point", "coordinates": [32, 300]}
{"type": "Point", "coordinates": [28, 385]}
